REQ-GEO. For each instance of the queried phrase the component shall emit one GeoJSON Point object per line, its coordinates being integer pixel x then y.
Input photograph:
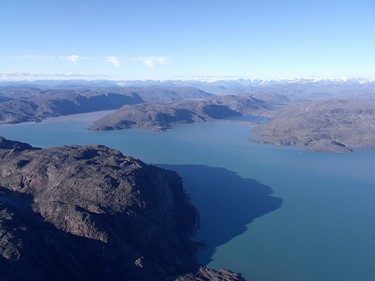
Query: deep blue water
{"type": "Point", "coordinates": [271, 213]}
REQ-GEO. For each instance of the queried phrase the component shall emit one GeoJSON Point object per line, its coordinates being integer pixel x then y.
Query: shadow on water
{"type": "Point", "coordinates": [226, 203]}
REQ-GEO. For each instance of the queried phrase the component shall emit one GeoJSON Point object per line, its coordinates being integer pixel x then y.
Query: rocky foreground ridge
{"type": "Point", "coordinates": [90, 213]}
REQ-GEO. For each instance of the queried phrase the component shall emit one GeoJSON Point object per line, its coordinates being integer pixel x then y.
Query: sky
{"type": "Point", "coordinates": [187, 39]}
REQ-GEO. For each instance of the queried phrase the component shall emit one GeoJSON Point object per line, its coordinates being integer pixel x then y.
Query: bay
{"type": "Point", "coordinates": [271, 213]}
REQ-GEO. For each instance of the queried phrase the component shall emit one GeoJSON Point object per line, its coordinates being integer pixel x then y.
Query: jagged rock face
{"type": "Point", "coordinates": [90, 213]}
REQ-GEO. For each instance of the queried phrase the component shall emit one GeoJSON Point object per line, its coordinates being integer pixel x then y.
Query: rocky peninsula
{"type": "Point", "coordinates": [162, 116]}
{"type": "Point", "coordinates": [331, 125]}
{"type": "Point", "coordinates": [90, 213]}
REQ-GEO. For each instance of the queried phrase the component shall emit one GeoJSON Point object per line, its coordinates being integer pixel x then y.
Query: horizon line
{"type": "Point", "coordinates": [30, 77]}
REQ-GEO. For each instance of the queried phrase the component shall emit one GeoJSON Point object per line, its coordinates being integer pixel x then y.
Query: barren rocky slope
{"type": "Point", "coordinates": [90, 213]}
{"type": "Point", "coordinates": [161, 116]}
{"type": "Point", "coordinates": [334, 125]}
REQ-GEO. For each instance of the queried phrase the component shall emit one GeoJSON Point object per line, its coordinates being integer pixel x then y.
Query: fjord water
{"type": "Point", "coordinates": [270, 213]}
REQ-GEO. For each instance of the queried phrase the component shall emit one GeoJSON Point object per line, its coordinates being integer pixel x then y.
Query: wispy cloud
{"type": "Point", "coordinates": [152, 61]}
{"type": "Point", "coordinates": [73, 58]}
{"type": "Point", "coordinates": [116, 61]}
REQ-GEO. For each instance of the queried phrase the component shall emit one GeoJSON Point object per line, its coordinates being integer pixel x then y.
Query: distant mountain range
{"type": "Point", "coordinates": [293, 88]}
{"type": "Point", "coordinates": [25, 103]}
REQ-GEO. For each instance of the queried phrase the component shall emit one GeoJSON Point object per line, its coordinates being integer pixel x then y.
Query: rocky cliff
{"type": "Point", "coordinates": [91, 213]}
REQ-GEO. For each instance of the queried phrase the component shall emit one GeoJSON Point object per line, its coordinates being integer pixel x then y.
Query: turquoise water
{"type": "Point", "coordinates": [271, 213]}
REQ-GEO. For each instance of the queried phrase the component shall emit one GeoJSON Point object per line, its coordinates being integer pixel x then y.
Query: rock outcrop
{"type": "Point", "coordinates": [91, 213]}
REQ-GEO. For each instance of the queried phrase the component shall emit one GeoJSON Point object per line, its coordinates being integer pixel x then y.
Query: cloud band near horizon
{"type": "Point", "coordinates": [150, 61]}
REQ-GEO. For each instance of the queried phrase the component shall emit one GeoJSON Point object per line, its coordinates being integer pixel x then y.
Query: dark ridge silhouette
{"type": "Point", "coordinates": [225, 201]}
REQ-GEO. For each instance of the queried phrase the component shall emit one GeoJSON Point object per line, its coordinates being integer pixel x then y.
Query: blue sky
{"type": "Point", "coordinates": [170, 39]}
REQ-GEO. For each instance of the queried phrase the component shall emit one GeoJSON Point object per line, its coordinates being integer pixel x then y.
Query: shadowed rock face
{"type": "Point", "coordinates": [90, 213]}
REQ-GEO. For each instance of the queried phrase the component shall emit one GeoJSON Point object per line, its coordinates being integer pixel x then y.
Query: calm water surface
{"type": "Point", "coordinates": [268, 212]}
